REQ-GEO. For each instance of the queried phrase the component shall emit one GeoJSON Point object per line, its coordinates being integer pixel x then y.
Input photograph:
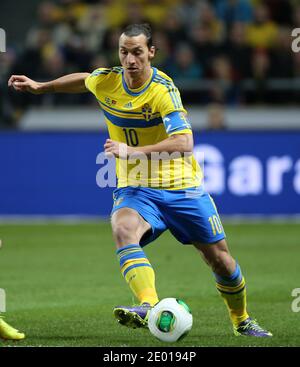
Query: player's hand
{"type": "Point", "coordinates": [116, 149]}
{"type": "Point", "coordinates": [22, 83]}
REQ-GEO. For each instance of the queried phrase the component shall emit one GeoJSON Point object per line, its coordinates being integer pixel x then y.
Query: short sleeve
{"type": "Point", "coordinates": [170, 101]}
{"type": "Point", "coordinates": [173, 113]}
{"type": "Point", "coordinates": [96, 78]}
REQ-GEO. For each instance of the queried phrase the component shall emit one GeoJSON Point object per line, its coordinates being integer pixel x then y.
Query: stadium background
{"type": "Point", "coordinates": [240, 81]}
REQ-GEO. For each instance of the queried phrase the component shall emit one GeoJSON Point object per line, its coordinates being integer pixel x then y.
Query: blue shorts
{"type": "Point", "coordinates": [189, 214]}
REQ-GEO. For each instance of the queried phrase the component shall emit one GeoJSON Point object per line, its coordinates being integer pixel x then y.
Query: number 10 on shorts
{"type": "Point", "coordinates": [216, 225]}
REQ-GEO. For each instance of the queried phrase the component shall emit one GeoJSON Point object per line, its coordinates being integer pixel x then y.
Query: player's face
{"type": "Point", "coordinates": [135, 56]}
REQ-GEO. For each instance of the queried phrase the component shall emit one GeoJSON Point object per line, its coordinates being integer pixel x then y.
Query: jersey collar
{"type": "Point", "coordinates": [138, 91]}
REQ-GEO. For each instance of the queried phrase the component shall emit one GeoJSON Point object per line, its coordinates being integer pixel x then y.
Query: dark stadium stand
{"type": "Point", "coordinates": [235, 53]}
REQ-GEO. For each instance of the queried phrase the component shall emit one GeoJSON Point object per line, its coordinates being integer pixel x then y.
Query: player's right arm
{"type": "Point", "coordinates": [71, 83]}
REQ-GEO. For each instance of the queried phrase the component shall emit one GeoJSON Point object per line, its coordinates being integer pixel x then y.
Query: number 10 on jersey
{"type": "Point", "coordinates": [131, 137]}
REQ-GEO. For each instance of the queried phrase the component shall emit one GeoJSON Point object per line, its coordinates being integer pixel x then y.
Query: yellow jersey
{"type": "Point", "coordinates": [145, 116]}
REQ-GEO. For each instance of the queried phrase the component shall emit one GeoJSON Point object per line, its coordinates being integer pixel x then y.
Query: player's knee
{"type": "Point", "coordinates": [124, 233]}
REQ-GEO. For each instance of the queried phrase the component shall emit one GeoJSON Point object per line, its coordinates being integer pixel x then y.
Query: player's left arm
{"type": "Point", "coordinates": [176, 124]}
{"type": "Point", "coordinates": [182, 143]}
{"type": "Point", "coordinates": [180, 136]}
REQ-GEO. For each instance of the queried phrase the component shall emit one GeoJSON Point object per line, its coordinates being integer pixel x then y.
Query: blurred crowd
{"type": "Point", "coordinates": [218, 51]}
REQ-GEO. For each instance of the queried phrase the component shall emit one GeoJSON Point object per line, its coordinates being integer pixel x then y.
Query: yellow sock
{"type": "Point", "coordinates": [138, 273]}
{"type": "Point", "coordinates": [233, 291]}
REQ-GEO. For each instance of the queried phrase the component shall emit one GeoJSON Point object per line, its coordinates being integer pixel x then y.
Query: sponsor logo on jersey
{"type": "Point", "coordinates": [128, 105]}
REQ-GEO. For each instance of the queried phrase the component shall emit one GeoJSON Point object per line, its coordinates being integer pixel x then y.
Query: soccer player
{"type": "Point", "coordinates": [145, 116]}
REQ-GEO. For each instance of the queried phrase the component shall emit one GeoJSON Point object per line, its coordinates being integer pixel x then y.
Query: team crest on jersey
{"type": "Point", "coordinates": [147, 111]}
{"type": "Point", "coordinates": [110, 101]}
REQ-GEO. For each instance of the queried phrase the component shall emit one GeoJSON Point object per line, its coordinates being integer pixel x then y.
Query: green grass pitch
{"type": "Point", "coordinates": [62, 282]}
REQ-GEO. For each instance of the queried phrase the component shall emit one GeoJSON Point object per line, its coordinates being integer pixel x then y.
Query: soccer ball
{"type": "Point", "coordinates": [170, 320]}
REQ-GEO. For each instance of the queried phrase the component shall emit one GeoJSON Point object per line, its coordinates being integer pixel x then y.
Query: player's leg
{"type": "Point", "coordinates": [192, 217]}
{"type": "Point", "coordinates": [136, 221]}
{"type": "Point", "coordinates": [231, 285]}
{"type": "Point", "coordinates": [7, 332]}
{"type": "Point", "coordinates": [128, 228]}
{"type": "Point", "coordinates": [229, 280]}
